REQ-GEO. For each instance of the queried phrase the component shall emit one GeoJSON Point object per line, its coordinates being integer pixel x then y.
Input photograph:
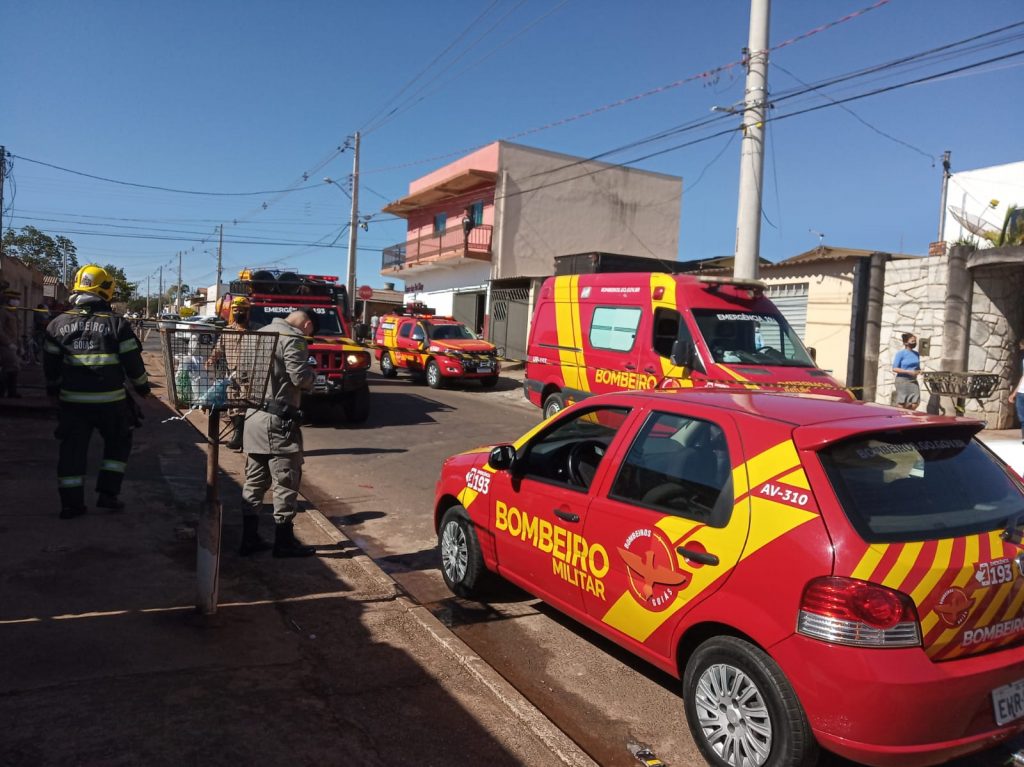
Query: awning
{"type": "Point", "coordinates": [450, 188]}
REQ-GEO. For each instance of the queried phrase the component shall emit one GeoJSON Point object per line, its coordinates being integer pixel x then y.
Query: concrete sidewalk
{"type": "Point", "coordinates": [104, 661]}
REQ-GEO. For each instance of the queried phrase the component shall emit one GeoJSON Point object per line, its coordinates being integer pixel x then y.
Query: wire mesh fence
{"type": "Point", "coordinates": [213, 369]}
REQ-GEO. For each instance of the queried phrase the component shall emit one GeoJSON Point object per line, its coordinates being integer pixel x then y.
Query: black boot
{"type": "Point", "coordinates": [252, 543]}
{"type": "Point", "coordinates": [285, 544]}
{"type": "Point", "coordinates": [12, 385]}
{"type": "Point", "coordinates": [70, 512]}
{"type": "Point", "coordinates": [235, 443]}
{"type": "Point", "coordinates": [109, 502]}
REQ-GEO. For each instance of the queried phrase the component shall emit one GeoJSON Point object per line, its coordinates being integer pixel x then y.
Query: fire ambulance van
{"type": "Point", "coordinates": [595, 333]}
{"type": "Point", "coordinates": [341, 364]}
{"type": "Point", "coordinates": [440, 349]}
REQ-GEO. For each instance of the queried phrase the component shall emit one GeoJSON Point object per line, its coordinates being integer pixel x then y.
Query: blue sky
{"type": "Point", "coordinates": [247, 96]}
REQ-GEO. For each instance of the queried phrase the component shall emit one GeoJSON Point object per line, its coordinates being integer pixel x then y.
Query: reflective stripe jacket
{"type": "Point", "coordinates": [90, 352]}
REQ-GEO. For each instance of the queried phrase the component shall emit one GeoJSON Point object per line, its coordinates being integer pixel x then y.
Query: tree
{"type": "Point", "coordinates": [123, 290]}
{"type": "Point", "coordinates": [1012, 232]}
{"type": "Point", "coordinates": [172, 292]}
{"type": "Point", "coordinates": [38, 249]}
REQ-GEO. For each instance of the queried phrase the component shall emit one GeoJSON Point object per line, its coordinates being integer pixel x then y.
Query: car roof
{"type": "Point", "coordinates": [796, 409]}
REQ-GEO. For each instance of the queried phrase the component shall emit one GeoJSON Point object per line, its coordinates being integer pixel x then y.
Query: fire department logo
{"type": "Point", "coordinates": [953, 606]}
{"type": "Point", "coordinates": [311, 360]}
{"type": "Point", "coordinates": [652, 568]}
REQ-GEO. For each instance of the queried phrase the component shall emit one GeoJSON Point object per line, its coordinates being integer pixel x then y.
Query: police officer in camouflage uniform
{"type": "Point", "coordinates": [90, 354]}
{"type": "Point", "coordinates": [272, 440]}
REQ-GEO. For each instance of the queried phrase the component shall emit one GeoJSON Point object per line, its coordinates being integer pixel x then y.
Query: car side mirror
{"type": "Point", "coordinates": [683, 353]}
{"type": "Point", "coordinates": [502, 457]}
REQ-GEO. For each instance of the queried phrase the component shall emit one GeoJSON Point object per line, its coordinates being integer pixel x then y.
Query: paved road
{"type": "Point", "coordinates": [376, 483]}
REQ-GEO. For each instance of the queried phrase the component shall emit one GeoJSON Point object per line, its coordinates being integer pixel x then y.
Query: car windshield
{"type": "Point", "coordinates": [325, 318]}
{"type": "Point", "coordinates": [750, 338]}
{"type": "Point", "coordinates": [921, 485]}
{"type": "Point", "coordinates": [458, 332]}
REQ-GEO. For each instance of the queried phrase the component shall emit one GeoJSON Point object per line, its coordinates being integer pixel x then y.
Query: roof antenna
{"type": "Point", "coordinates": [821, 239]}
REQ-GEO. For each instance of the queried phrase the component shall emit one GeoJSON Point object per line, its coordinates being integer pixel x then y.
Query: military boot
{"type": "Point", "coordinates": [238, 423]}
{"type": "Point", "coordinates": [285, 544]}
{"type": "Point", "coordinates": [252, 543]}
{"type": "Point", "coordinates": [109, 502]}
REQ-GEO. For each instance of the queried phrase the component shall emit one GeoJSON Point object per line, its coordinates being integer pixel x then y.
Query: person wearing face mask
{"type": "Point", "coordinates": [272, 441]}
{"type": "Point", "coordinates": [10, 300]}
{"type": "Point", "coordinates": [906, 364]}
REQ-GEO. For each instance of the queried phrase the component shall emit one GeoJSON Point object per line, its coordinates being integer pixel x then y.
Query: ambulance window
{"type": "Point", "coordinates": [666, 329]}
{"type": "Point", "coordinates": [404, 331]}
{"type": "Point", "coordinates": [680, 466]}
{"type": "Point", "coordinates": [417, 333]}
{"type": "Point", "coordinates": [569, 452]}
{"type": "Point", "coordinates": [614, 327]}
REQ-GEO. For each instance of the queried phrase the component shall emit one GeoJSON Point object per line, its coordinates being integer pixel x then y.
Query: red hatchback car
{"type": "Point", "coordinates": [815, 571]}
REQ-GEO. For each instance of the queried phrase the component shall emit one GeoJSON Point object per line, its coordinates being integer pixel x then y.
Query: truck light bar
{"type": "Point", "coordinates": [756, 287]}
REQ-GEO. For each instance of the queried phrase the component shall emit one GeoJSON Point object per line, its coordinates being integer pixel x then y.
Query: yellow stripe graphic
{"type": "Point", "coordinates": [902, 566]}
{"type": "Point", "coordinates": [869, 561]}
{"type": "Point", "coordinates": [940, 565]}
{"type": "Point", "coordinates": [962, 579]}
{"type": "Point", "coordinates": [797, 479]}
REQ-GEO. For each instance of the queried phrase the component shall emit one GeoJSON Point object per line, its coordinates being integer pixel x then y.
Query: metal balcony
{"type": "Point", "coordinates": [446, 249]}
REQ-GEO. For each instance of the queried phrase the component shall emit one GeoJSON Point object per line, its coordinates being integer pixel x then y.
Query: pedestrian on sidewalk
{"type": "Point", "coordinates": [89, 355]}
{"type": "Point", "coordinates": [1017, 394]}
{"type": "Point", "coordinates": [10, 364]}
{"type": "Point", "coordinates": [272, 441]}
{"type": "Point", "coordinates": [906, 364]}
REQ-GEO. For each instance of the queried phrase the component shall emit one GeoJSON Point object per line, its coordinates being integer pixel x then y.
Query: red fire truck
{"type": "Point", "coordinates": [341, 364]}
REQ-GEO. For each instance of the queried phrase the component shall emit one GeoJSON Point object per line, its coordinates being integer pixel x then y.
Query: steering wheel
{"type": "Point", "coordinates": [664, 494]}
{"type": "Point", "coordinates": [584, 458]}
{"type": "Point", "coordinates": [768, 350]}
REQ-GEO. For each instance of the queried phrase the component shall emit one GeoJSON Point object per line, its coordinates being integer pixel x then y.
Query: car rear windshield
{"type": "Point", "coordinates": [751, 338]}
{"type": "Point", "coordinates": [325, 319]}
{"type": "Point", "coordinates": [919, 485]}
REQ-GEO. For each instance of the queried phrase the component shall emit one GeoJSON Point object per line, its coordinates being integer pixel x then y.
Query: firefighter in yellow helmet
{"type": "Point", "coordinates": [239, 316]}
{"type": "Point", "coordinates": [9, 364]}
{"type": "Point", "coordinates": [90, 355]}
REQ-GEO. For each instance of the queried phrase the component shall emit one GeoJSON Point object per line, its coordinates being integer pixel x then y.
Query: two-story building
{"type": "Point", "coordinates": [485, 229]}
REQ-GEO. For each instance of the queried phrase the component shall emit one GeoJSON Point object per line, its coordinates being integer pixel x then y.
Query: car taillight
{"type": "Point", "coordinates": [852, 612]}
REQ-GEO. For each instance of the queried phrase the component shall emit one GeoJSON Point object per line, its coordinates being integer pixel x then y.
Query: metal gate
{"type": "Point", "coordinates": [510, 315]}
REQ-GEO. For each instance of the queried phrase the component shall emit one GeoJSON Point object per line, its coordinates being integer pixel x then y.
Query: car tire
{"type": "Point", "coordinates": [356, 405]}
{"type": "Point", "coordinates": [771, 729]}
{"type": "Point", "coordinates": [434, 378]}
{"type": "Point", "coordinates": [490, 382]}
{"type": "Point", "coordinates": [387, 366]}
{"type": "Point", "coordinates": [462, 563]}
{"type": "Point", "coordinates": [555, 403]}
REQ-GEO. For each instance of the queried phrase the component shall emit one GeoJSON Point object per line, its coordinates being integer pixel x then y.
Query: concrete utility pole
{"type": "Point", "coordinates": [353, 229]}
{"type": "Point", "coordinates": [755, 106]}
{"type": "Point", "coordinates": [942, 199]}
{"type": "Point", "coordinates": [160, 300]}
{"type": "Point", "coordinates": [147, 314]}
{"type": "Point", "coordinates": [3, 170]}
{"type": "Point", "coordinates": [177, 292]}
{"type": "Point", "coordinates": [220, 251]}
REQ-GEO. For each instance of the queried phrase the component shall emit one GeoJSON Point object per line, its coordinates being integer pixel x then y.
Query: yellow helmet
{"type": "Point", "coordinates": [240, 304]}
{"type": "Point", "coordinates": [94, 279]}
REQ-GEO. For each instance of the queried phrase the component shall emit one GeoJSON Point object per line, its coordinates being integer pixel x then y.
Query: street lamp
{"type": "Point", "coordinates": [350, 261]}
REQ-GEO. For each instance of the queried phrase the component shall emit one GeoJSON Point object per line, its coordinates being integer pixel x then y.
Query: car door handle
{"type": "Point", "coordinates": [700, 557]}
{"type": "Point", "coordinates": [629, 366]}
{"type": "Point", "coordinates": [650, 369]}
{"type": "Point", "coordinates": [568, 516]}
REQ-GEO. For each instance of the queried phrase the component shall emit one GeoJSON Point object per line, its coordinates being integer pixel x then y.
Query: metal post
{"type": "Point", "coordinates": [942, 199]}
{"type": "Point", "coordinates": [160, 300]}
{"type": "Point", "coordinates": [177, 293]}
{"type": "Point", "coordinates": [148, 293]}
{"type": "Point", "coordinates": [220, 251]}
{"type": "Point", "coordinates": [3, 170]}
{"type": "Point", "coordinates": [353, 229]}
{"type": "Point", "coordinates": [208, 530]}
{"type": "Point", "coordinates": [748, 216]}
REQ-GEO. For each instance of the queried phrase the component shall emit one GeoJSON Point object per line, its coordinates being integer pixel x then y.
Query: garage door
{"type": "Point", "coordinates": [791, 298]}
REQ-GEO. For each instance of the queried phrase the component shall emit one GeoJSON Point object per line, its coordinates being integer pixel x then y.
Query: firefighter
{"type": "Point", "coordinates": [9, 363]}
{"type": "Point", "coordinates": [90, 354]}
{"type": "Point", "coordinates": [273, 440]}
{"type": "Point", "coordinates": [239, 315]}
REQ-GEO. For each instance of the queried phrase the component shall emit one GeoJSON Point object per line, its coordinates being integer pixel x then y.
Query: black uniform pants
{"type": "Point", "coordinates": [74, 430]}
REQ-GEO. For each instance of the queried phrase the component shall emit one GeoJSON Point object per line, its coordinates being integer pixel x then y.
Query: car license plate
{"type": "Point", "coordinates": [484, 367]}
{"type": "Point", "coordinates": [1008, 702]}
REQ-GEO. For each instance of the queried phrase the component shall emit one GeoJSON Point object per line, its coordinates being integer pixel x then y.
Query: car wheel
{"type": "Point", "coordinates": [555, 403]}
{"type": "Point", "coordinates": [434, 378]}
{"type": "Point", "coordinates": [462, 564]}
{"type": "Point", "coordinates": [490, 382]}
{"type": "Point", "coordinates": [741, 709]}
{"type": "Point", "coordinates": [356, 405]}
{"type": "Point", "coordinates": [387, 366]}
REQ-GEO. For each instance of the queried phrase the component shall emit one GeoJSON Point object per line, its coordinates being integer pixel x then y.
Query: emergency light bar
{"type": "Point", "coordinates": [756, 287]}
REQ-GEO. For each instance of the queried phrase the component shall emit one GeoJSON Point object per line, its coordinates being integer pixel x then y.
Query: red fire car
{"type": "Point", "coordinates": [817, 572]}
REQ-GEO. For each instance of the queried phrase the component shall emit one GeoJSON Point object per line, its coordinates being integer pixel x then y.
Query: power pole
{"type": "Point", "coordinates": [755, 105]}
{"type": "Point", "coordinates": [177, 292]}
{"type": "Point", "coordinates": [353, 229]}
{"type": "Point", "coordinates": [942, 199]}
{"type": "Point", "coordinates": [160, 299]}
{"type": "Point", "coordinates": [3, 170]}
{"type": "Point", "coordinates": [147, 314]}
{"type": "Point", "coordinates": [220, 251]}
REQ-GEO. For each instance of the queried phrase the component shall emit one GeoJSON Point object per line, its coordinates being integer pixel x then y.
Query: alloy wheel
{"type": "Point", "coordinates": [733, 716]}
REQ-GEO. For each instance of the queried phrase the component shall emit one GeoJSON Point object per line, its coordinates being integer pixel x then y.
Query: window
{"type": "Point", "coordinates": [679, 466]}
{"type": "Point", "coordinates": [751, 339]}
{"type": "Point", "coordinates": [404, 331]}
{"type": "Point", "coordinates": [614, 327]}
{"type": "Point", "coordinates": [570, 452]}
{"type": "Point", "coordinates": [440, 222]}
{"type": "Point", "coordinates": [476, 213]}
{"type": "Point", "coordinates": [666, 330]}
{"type": "Point", "coordinates": [417, 333]}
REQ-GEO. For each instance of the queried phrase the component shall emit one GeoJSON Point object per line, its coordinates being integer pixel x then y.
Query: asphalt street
{"type": "Point", "coordinates": [376, 483]}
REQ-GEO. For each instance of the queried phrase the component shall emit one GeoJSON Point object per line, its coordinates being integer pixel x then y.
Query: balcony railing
{"type": "Point", "coordinates": [451, 244]}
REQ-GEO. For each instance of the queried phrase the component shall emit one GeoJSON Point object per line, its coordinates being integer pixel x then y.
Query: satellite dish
{"type": "Point", "coordinates": [973, 224]}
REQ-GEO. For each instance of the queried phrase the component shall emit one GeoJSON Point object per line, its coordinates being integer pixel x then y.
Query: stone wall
{"type": "Point", "coordinates": [997, 321]}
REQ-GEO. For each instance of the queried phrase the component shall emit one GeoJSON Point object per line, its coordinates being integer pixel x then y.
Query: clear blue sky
{"type": "Point", "coordinates": [247, 95]}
